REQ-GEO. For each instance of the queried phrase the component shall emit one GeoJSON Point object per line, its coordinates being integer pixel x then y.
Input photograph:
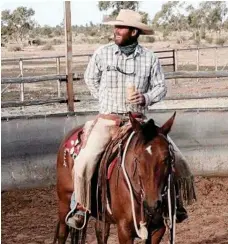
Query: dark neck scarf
{"type": "Point", "coordinates": [128, 50]}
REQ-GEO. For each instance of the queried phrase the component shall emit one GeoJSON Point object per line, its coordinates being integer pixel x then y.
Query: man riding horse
{"type": "Point", "coordinates": [112, 70]}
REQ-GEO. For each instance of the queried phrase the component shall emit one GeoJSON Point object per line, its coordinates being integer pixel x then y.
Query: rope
{"type": "Point", "coordinates": [142, 231]}
{"type": "Point", "coordinates": [172, 216]}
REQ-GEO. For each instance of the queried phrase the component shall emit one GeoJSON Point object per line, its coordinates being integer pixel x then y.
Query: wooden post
{"type": "Point", "coordinates": [22, 97]}
{"type": "Point", "coordinates": [216, 60]}
{"type": "Point", "coordinates": [68, 41]}
{"type": "Point", "coordinates": [175, 63]}
{"type": "Point", "coordinates": [58, 73]}
{"type": "Point", "coordinates": [197, 61]}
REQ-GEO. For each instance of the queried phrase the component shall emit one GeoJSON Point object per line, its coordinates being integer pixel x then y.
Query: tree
{"type": "Point", "coordinates": [145, 17]}
{"type": "Point", "coordinates": [215, 14]}
{"type": "Point", "coordinates": [115, 6]}
{"type": "Point", "coordinates": [177, 16]}
{"type": "Point", "coordinates": [209, 15]}
{"type": "Point", "coordinates": [6, 26]}
{"type": "Point", "coordinates": [46, 31]}
{"type": "Point", "coordinates": [170, 17]}
{"type": "Point", "coordinates": [18, 23]}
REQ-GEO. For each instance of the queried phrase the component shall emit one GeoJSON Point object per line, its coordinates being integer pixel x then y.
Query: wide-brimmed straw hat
{"type": "Point", "coordinates": [127, 17]}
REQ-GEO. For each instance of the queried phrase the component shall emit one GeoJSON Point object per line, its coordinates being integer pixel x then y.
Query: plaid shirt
{"type": "Point", "coordinates": [109, 71]}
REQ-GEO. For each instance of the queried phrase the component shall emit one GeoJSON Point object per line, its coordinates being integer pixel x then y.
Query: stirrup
{"type": "Point", "coordinates": [71, 221]}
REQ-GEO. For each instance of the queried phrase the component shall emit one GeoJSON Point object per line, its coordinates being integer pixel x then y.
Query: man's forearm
{"type": "Point", "coordinates": [155, 95]}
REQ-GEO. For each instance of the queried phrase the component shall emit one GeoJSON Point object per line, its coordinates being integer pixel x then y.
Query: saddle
{"type": "Point", "coordinates": [78, 138]}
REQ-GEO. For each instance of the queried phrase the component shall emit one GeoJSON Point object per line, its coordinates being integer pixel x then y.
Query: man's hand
{"type": "Point", "coordinates": [137, 98]}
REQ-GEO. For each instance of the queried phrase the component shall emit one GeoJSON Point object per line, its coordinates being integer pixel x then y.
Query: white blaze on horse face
{"type": "Point", "coordinates": [149, 150]}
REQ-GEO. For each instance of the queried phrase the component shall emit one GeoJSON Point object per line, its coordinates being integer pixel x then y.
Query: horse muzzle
{"type": "Point", "coordinates": [153, 212]}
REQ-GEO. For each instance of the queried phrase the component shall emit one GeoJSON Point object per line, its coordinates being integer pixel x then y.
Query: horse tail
{"type": "Point", "coordinates": [56, 233]}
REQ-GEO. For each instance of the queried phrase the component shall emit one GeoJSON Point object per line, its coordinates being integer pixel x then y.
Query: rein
{"type": "Point", "coordinates": [142, 231]}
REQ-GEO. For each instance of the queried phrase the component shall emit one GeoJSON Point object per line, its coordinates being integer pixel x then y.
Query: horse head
{"type": "Point", "coordinates": [153, 157]}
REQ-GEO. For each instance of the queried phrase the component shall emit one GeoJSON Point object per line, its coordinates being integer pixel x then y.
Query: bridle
{"type": "Point", "coordinates": [142, 231]}
{"type": "Point", "coordinates": [140, 196]}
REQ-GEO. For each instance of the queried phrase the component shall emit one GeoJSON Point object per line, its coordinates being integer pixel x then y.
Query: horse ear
{"type": "Point", "coordinates": [135, 123]}
{"type": "Point", "coordinates": [165, 129]}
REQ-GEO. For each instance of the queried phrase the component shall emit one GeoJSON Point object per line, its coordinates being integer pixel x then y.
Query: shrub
{"type": "Point", "coordinates": [165, 34]}
{"type": "Point", "coordinates": [37, 42]}
{"type": "Point", "coordinates": [25, 44]}
{"type": "Point", "coordinates": [58, 32]}
{"type": "Point", "coordinates": [220, 41]}
{"type": "Point", "coordinates": [150, 39]}
{"type": "Point", "coordinates": [92, 33]}
{"type": "Point", "coordinates": [56, 41]}
{"type": "Point", "coordinates": [209, 39]}
{"type": "Point", "coordinates": [14, 48]}
{"type": "Point", "coordinates": [32, 36]}
{"type": "Point", "coordinates": [197, 40]}
{"type": "Point", "coordinates": [197, 33]}
{"type": "Point", "coordinates": [203, 34]}
{"type": "Point", "coordinates": [181, 39]}
{"type": "Point", "coordinates": [192, 37]}
{"type": "Point", "coordinates": [47, 46]}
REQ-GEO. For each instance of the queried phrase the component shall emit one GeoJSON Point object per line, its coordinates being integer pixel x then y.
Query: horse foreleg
{"type": "Point", "coordinates": [63, 229]}
{"type": "Point", "coordinates": [156, 235]}
{"type": "Point", "coordinates": [98, 229]}
{"type": "Point", "coordinates": [124, 234]}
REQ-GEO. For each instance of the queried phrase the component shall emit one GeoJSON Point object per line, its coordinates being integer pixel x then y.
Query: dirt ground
{"type": "Point", "coordinates": [29, 216]}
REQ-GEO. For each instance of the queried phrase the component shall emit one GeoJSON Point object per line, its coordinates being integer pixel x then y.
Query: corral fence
{"type": "Point", "coordinates": [173, 67]}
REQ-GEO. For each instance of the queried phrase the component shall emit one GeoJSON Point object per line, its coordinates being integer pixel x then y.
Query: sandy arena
{"type": "Point", "coordinates": [29, 216]}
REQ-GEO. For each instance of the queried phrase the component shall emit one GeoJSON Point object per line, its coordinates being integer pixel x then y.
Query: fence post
{"type": "Point", "coordinates": [58, 73]}
{"type": "Point", "coordinates": [197, 61]}
{"type": "Point", "coordinates": [21, 84]}
{"type": "Point", "coordinates": [175, 62]}
{"type": "Point", "coordinates": [68, 40]}
{"type": "Point", "coordinates": [216, 60]}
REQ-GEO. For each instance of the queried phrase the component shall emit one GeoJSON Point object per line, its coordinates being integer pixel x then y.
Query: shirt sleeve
{"type": "Point", "coordinates": [157, 87]}
{"type": "Point", "coordinates": [93, 74]}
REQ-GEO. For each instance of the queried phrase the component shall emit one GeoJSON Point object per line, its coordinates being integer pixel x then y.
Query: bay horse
{"type": "Point", "coordinates": [148, 160]}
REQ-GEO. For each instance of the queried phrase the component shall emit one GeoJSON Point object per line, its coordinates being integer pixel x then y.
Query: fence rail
{"type": "Point", "coordinates": [32, 79]}
{"type": "Point", "coordinates": [47, 57]}
{"type": "Point", "coordinates": [171, 56]}
{"type": "Point", "coordinates": [34, 102]}
{"type": "Point", "coordinates": [62, 56]}
{"type": "Point", "coordinates": [168, 75]}
{"type": "Point", "coordinates": [62, 77]}
{"type": "Point", "coordinates": [196, 74]}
